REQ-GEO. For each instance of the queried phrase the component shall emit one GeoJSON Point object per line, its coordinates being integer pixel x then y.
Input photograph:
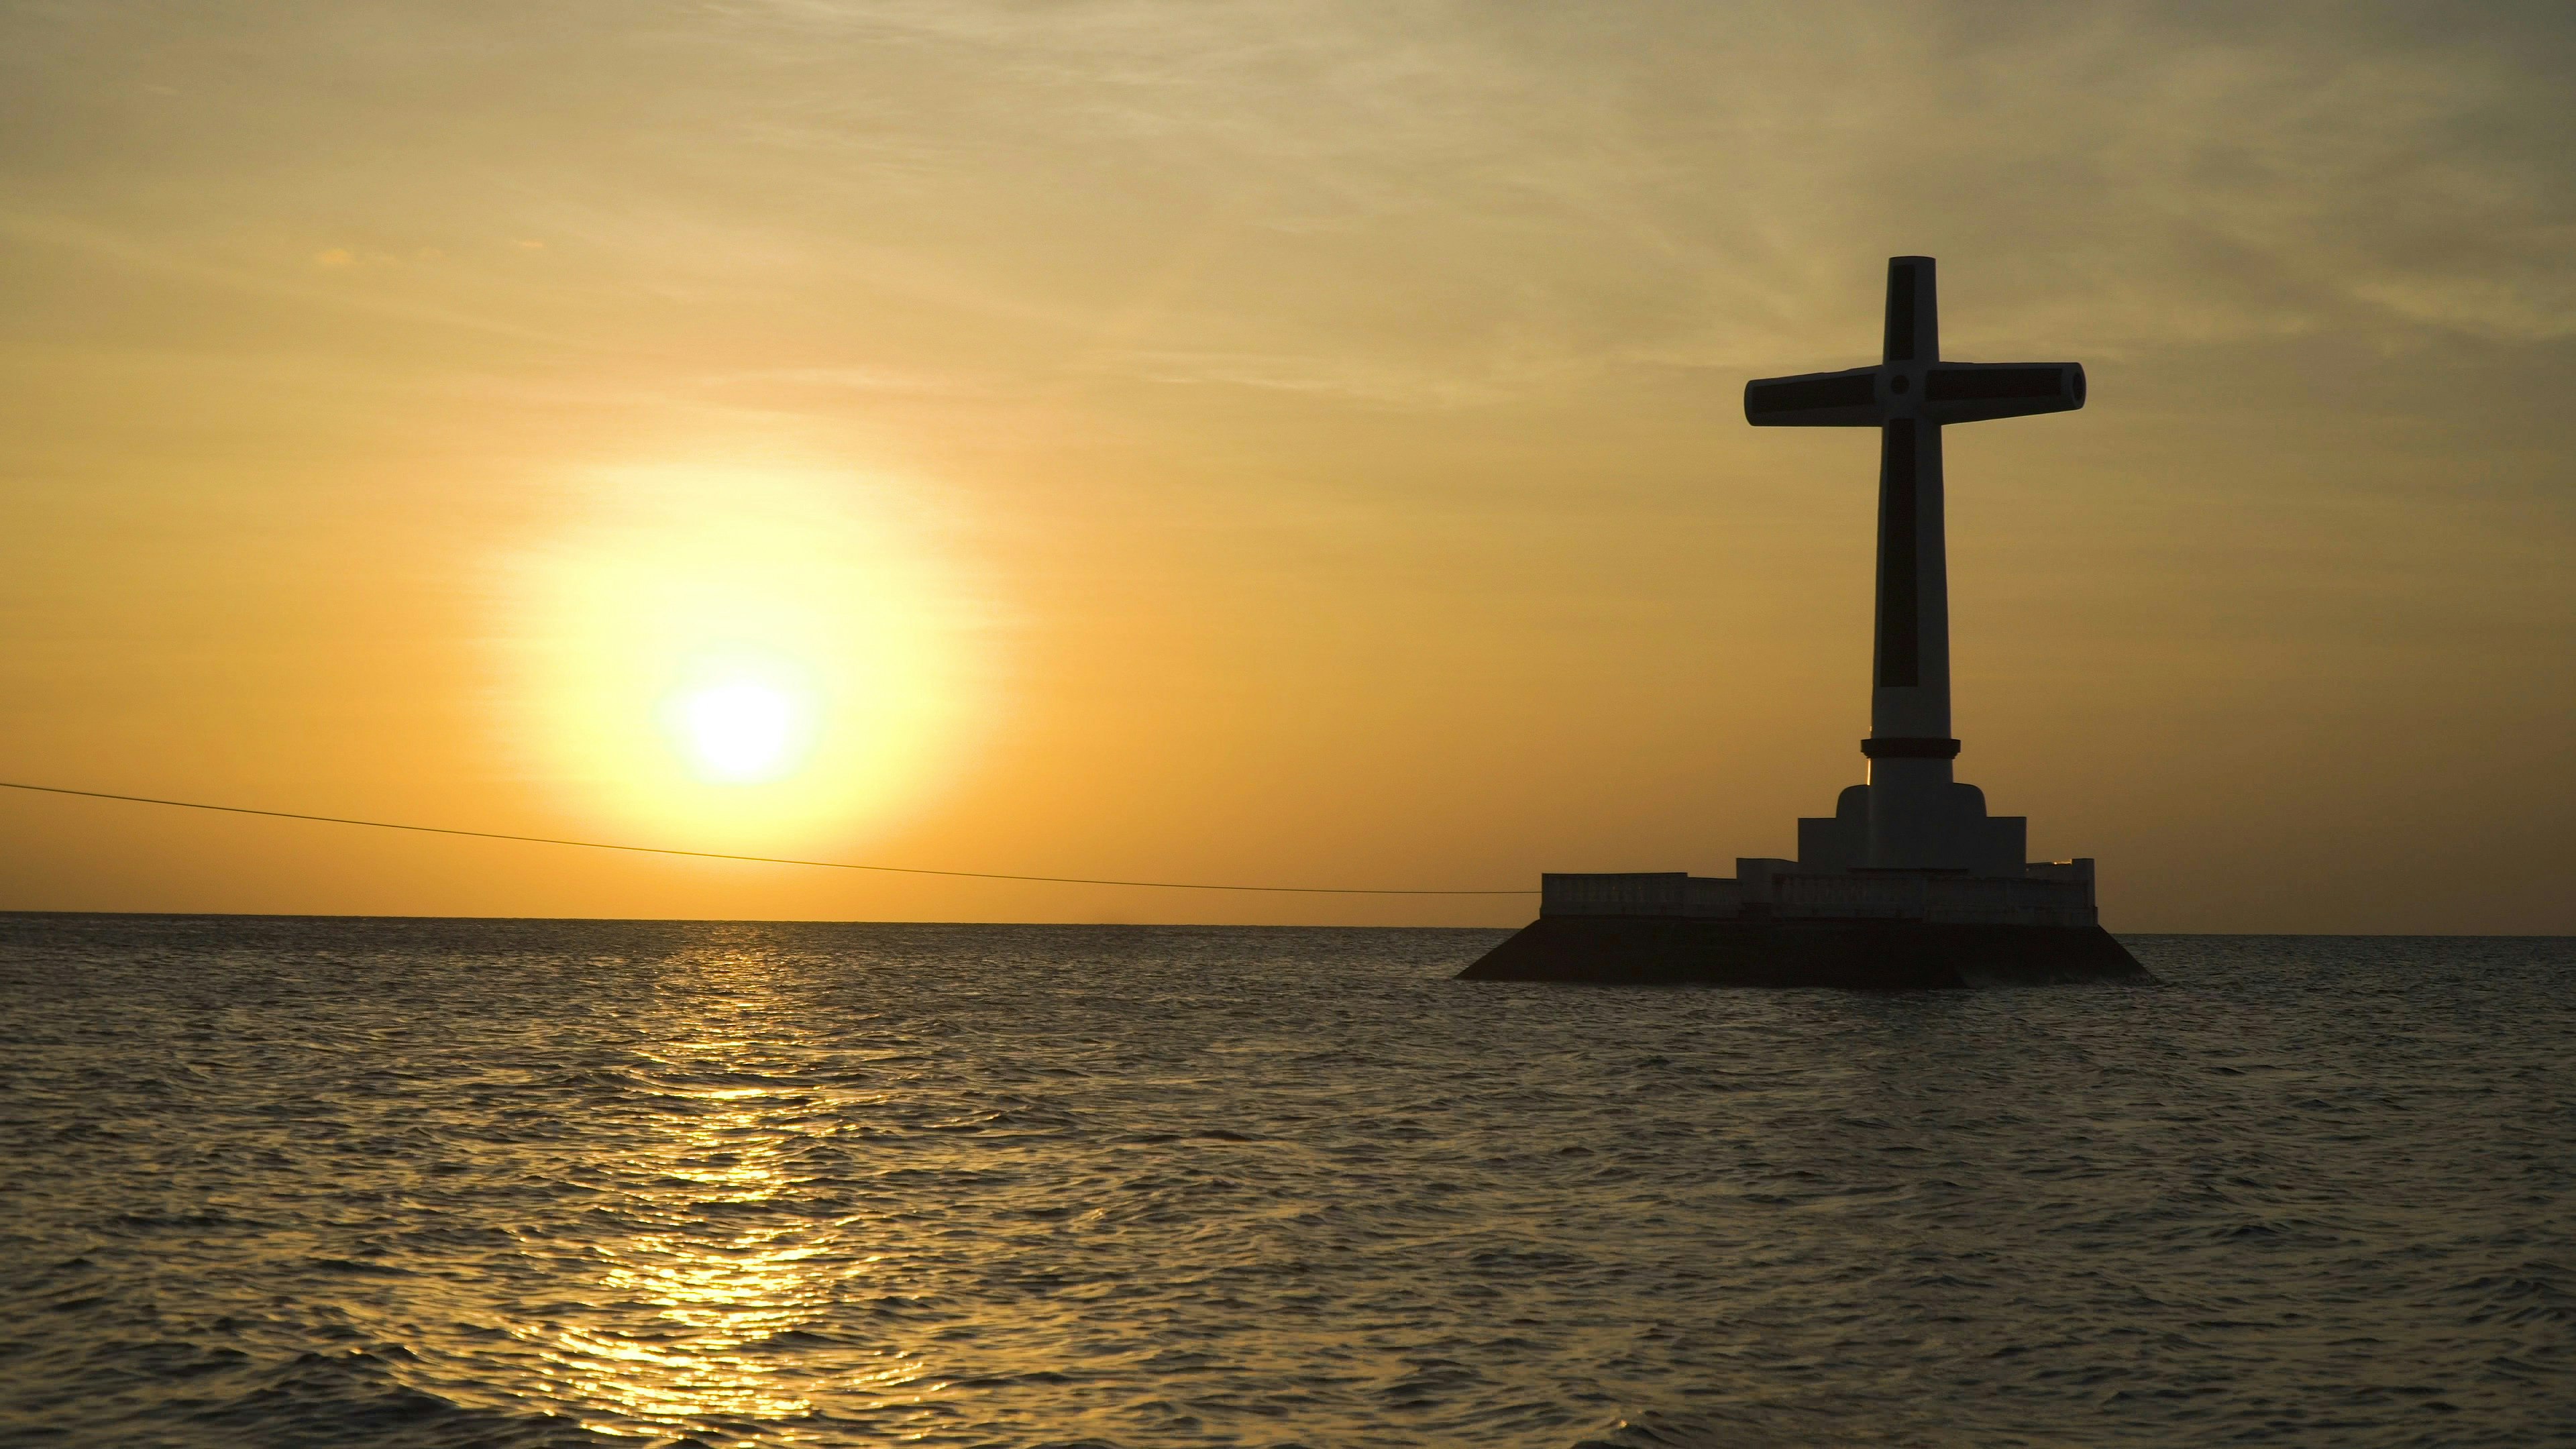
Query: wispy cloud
{"type": "Point", "coordinates": [1424, 188]}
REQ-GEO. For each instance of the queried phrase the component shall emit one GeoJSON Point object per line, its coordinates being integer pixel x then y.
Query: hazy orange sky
{"type": "Point", "coordinates": [1293, 442]}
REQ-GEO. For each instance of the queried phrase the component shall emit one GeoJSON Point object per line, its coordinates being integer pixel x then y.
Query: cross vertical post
{"type": "Point", "coordinates": [1910, 746]}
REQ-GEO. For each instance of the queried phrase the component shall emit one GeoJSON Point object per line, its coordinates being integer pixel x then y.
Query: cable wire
{"type": "Point", "coordinates": [1159, 885]}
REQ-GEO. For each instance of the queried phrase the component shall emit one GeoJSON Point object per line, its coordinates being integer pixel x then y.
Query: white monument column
{"type": "Point", "coordinates": [1910, 746]}
{"type": "Point", "coordinates": [1917, 817]}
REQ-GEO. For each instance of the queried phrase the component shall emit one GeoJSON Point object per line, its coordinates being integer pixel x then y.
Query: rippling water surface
{"type": "Point", "coordinates": [291, 1182]}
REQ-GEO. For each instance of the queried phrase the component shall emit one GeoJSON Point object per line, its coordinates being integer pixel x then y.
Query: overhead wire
{"type": "Point", "coordinates": [1160, 885]}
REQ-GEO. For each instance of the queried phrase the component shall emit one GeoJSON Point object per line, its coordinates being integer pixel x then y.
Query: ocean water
{"type": "Point", "coordinates": [320, 1182]}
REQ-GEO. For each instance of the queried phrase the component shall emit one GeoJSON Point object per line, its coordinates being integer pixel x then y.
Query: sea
{"type": "Point", "coordinates": [286, 1182]}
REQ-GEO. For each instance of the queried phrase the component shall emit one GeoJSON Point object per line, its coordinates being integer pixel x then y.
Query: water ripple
{"type": "Point", "coordinates": [579, 1183]}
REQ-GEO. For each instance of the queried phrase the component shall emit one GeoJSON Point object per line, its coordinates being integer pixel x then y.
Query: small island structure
{"type": "Point", "coordinates": [1909, 884]}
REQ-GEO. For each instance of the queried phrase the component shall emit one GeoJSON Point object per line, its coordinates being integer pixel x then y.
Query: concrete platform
{"type": "Point", "coordinates": [1849, 955]}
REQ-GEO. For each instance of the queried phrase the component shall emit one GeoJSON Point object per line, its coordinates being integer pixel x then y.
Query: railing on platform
{"type": "Point", "coordinates": [1639, 893]}
{"type": "Point", "coordinates": [2062, 896]}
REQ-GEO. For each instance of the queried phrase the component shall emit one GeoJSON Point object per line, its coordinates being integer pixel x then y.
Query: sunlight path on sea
{"type": "Point", "coordinates": [707, 1258]}
{"type": "Point", "coordinates": [713, 1254]}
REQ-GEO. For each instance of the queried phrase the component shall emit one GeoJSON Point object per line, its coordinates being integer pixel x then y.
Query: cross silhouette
{"type": "Point", "coordinates": [1909, 398]}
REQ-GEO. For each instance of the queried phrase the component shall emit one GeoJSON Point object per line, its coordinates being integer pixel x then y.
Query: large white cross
{"type": "Point", "coordinates": [1909, 398]}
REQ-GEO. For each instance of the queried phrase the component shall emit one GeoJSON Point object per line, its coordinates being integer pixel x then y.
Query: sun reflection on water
{"type": "Point", "coordinates": [724, 1266]}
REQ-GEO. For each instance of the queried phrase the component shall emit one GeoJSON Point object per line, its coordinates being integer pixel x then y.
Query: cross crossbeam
{"type": "Point", "coordinates": [1941, 393]}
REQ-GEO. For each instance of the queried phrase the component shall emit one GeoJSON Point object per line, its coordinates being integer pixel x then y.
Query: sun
{"type": "Point", "coordinates": [741, 731]}
{"type": "Point", "coordinates": [746, 658]}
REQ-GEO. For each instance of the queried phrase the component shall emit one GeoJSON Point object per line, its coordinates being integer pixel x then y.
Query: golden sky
{"type": "Point", "coordinates": [1283, 442]}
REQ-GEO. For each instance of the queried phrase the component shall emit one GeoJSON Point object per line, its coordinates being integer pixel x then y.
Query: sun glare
{"type": "Point", "coordinates": [740, 658]}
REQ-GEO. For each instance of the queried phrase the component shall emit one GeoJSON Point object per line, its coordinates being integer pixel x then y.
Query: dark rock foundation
{"type": "Point", "coordinates": [1850, 955]}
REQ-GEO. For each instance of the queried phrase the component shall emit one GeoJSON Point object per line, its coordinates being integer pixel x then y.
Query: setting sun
{"type": "Point", "coordinates": [741, 731]}
{"type": "Point", "coordinates": [764, 658]}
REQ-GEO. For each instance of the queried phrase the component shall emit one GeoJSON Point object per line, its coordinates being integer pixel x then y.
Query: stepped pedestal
{"type": "Point", "coordinates": [1774, 923]}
